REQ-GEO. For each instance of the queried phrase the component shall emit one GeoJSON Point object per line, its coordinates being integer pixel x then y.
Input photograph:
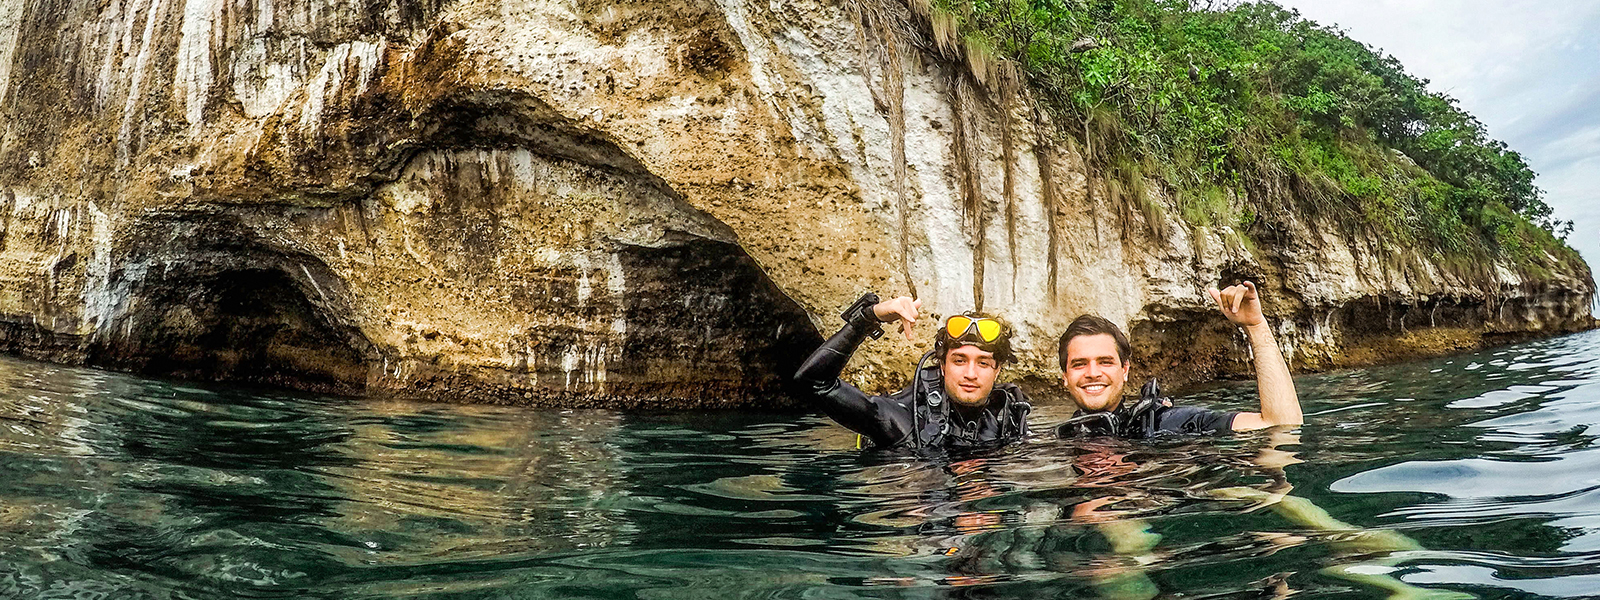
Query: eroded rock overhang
{"type": "Point", "coordinates": [342, 199]}
{"type": "Point", "coordinates": [595, 203]}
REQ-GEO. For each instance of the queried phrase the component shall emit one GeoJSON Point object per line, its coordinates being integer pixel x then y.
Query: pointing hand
{"type": "Point", "coordinates": [903, 308]}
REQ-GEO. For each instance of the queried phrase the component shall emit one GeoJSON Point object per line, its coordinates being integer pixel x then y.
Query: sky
{"type": "Point", "coordinates": [1529, 70]}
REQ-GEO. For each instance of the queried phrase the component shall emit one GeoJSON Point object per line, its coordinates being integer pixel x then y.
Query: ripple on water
{"type": "Point", "coordinates": [1474, 473]}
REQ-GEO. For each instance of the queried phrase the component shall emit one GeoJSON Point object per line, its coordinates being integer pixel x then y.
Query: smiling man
{"type": "Point", "coordinates": [953, 403]}
{"type": "Point", "coordinates": [1095, 362]}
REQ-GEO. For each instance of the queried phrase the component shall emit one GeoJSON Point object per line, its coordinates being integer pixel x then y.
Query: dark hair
{"type": "Point", "coordinates": [1001, 346]}
{"type": "Point", "coordinates": [1093, 325]}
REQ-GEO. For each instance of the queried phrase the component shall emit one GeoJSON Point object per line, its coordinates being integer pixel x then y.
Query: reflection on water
{"type": "Point", "coordinates": [1475, 474]}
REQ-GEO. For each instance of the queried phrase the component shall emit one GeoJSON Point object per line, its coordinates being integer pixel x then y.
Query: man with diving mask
{"type": "Point", "coordinates": [952, 401]}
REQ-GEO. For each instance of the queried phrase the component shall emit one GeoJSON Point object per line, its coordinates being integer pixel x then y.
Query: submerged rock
{"type": "Point", "coordinates": [584, 203]}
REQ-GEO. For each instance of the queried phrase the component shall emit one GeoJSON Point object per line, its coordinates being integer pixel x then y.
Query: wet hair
{"type": "Point", "coordinates": [1001, 346]}
{"type": "Point", "coordinates": [1093, 325]}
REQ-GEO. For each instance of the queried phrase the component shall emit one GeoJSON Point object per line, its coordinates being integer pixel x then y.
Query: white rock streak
{"type": "Point", "coordinates": [191, 85]}
{"type": "Point", "coordinates": [266, 72]}
{"type": "Point", "coordinates": [113, 47]}
{"type": "Point", "coordinates": [10, 17]}
{"type": "Point", "coordinates": [348, 68]}
{"type": "Point", "coordinates": [98, 299]}
{"type": "Point", "coordinates": [130, 111]}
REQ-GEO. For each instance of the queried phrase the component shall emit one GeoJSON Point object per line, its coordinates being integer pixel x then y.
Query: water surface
{"type": "Point", "coordinates": [1477, 474]}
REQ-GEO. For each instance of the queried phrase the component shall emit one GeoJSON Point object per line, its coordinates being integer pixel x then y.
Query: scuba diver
{"type": "Point", "coordinates": [951, 403]}
{"type": "Point", "coordinates": [1095, 364]}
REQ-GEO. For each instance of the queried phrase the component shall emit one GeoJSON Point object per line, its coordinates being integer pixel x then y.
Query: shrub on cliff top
{"type": "Point", "coordinates": [1239, 103]}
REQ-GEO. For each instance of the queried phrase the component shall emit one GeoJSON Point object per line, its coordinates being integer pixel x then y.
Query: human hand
{"type": "Point", "coordinates": [903, 308]}
{"type": "Point", "coordinates": [1240, 304]}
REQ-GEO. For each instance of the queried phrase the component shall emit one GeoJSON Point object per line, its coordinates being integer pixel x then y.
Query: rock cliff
{"type": "Point", "coordinates": [619, 203]}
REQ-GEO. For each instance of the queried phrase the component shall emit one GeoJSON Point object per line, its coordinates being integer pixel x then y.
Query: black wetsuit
{"type": "Point", "coordinates": [922, 407]}
{"type": "Point", "coordinates": [1150, 416]}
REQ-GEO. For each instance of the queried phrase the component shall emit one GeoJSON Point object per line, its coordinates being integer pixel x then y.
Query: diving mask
{"type": "Point", "coordinates": [960, 326]}
{"type": "Point", "coordinates": [987, 333]}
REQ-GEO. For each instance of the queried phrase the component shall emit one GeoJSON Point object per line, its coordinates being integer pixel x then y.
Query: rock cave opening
{"type": "Point", "coordinates": [248, 324]}
{"type": "Point", "coordinates": [705, 321]}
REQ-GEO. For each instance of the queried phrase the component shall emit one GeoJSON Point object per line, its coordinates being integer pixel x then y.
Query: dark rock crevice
{"type": "Point", "coordinates": [730, 330]}
{"type": "Point", "coordinates": [698, 325]}
{"type": "Point", "coordinates": [245, 325]}
{"type": "Point", "coordinates": [199, 297]}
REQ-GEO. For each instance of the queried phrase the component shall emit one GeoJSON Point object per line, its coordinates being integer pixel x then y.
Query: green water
{"type": "Point", "coordinates": [1474, 474]}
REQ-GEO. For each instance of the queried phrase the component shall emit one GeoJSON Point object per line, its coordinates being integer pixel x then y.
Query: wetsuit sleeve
{"type": "Point", "coordinates": [1191, 419]}
{"type": "Point", "coordinates": [819, 375]}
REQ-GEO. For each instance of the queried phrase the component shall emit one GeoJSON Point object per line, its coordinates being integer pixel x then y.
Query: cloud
{"type": "Point", "coordinates": [1566, 146]}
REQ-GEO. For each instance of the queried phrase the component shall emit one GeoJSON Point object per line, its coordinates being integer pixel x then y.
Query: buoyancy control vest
{"type": "Point", "coordinates": [919, 415]}
{"type": "Point", "coordinates": [1140, 419]}
{"type": "Point", "coordinates": [936, 423]}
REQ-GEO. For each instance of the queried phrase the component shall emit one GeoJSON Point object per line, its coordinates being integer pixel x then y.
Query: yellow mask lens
{"type": "Point", "coordinates": [988, 329]}
{"type": "Point", "coordinates": [957, 326]}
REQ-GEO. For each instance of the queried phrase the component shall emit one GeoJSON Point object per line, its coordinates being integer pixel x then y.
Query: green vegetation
{"type": "Point", "coordinates": [1241, 109]}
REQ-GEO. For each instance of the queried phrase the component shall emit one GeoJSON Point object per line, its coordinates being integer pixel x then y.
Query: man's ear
{"type": "Point", "coordinates": [1127, 367]}
{"type": "Point", "coordinates": [1064, 379]}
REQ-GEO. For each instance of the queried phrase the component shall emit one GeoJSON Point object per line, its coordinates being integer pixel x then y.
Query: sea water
{"type": "Point", "coordinates": [1475, 474]}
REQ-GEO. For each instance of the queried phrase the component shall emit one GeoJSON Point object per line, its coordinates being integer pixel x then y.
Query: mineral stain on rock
{"type": "Point", "coordinates": [643, 204]}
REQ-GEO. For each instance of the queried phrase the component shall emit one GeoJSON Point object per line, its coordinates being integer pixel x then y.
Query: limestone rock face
{"type": "Point", "coordinates": [636, 203]}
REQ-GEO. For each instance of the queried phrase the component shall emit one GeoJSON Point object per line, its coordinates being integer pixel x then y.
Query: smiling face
{"type": "Point", "coordinates": [969, 375]}
{"type": "Point", "coordinates": [1095, 373]}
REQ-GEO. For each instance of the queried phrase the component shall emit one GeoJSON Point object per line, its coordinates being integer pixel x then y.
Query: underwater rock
{"type": "Point", "coordinates": [586, 203]}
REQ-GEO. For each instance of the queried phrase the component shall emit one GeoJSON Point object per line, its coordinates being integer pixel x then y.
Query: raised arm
{"type": "Point", "coordinates": [819, 375]}
{"type": "Point", "coordinates": [1280, 405]}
